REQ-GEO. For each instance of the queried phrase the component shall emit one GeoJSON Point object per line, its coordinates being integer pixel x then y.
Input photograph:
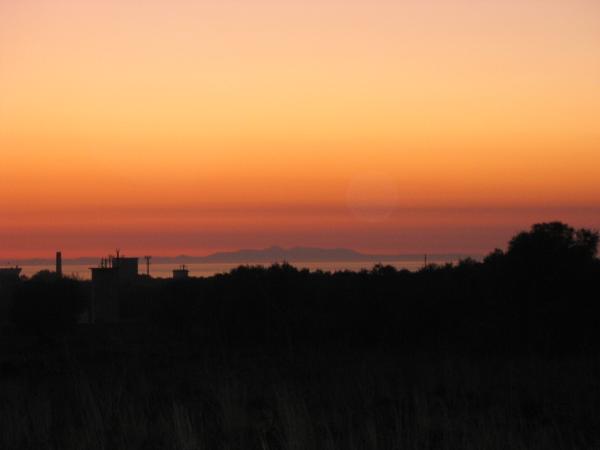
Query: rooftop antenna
{"type": "Point", "coordinates": [425, 259]}
{"type": "Point", "coordinates": [118, 251]}
{"type": "Point", "coordinates": [148, 258]}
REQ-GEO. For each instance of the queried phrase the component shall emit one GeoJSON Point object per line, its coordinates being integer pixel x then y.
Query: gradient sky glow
{"type": "Point", "coordinates": [180, 126]}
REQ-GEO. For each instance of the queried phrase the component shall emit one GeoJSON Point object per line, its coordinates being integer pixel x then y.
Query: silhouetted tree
{"type": "Point", "coordinates": [554, 242]}
{"type": "Point", "coordinates": [48, 304]}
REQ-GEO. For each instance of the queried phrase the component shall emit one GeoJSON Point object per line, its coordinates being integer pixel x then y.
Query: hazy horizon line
{"type": "Point", "coordinates": [35, 260]}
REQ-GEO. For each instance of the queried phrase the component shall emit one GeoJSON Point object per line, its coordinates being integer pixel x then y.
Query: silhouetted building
{"type": "Point", "coordinates": [105, 295]}
{"type": "Point", "coordinates": [9, 279]}
{"type": "Point", "coordinates": [107, 283]}
{"type": "Point", "coordinates": [126, 267]}
{"type": "Point", "coordinates": [181, 273]}
{"type": "Point", "coordinates": [9, 274]}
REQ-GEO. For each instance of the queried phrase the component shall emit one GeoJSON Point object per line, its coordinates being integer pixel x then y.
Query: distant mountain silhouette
{"type": "Point", "coordinates": [275, 253]}
{"type": "Point", "coordinates": [268, 255]}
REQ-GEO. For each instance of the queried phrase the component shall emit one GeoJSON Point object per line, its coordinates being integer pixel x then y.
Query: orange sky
{"type": "Point", "coordinates": [188, 127]}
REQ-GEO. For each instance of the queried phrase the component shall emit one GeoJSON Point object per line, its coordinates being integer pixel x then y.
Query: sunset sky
{"type": "Point", "coordinates": [168, 127]}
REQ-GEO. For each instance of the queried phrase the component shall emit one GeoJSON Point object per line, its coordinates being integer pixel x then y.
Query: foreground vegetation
{"type": "Point", "coordinates": [499, 354]}
{"type": "Point", "coordinates": [325, 399]}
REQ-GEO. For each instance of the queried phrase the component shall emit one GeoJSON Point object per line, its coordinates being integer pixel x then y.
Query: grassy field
{"type": "Point", "coordinates": [325, 399]}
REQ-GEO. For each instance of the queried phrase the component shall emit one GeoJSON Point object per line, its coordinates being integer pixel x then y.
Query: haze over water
{"type": "Point", "coordinates": [162, 270]}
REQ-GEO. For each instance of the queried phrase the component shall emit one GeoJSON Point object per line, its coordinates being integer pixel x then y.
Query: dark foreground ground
{"type": "Point", "coordinates": [99, 392]}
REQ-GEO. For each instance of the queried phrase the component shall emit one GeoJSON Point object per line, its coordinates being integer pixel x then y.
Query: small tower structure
{"type": "Point", "coordinates": [181, 273]}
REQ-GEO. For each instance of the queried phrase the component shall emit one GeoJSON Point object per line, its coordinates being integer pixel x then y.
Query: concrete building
{"type": "Point", "coordinates": [181, 274]}
{"type": "Point", "coordinates": [126, 267]}
{"type": "Point", "coordinates": [108, 281]}
{"type": "Point", "coordinates": [105, 295]}
{"type": "Point", "coordinates": [9, 280]}
{"type": "Point", "coordinates": [9, 274]}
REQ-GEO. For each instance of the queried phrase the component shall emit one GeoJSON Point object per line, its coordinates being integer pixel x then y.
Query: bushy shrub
{"type": "Point", "coordinates": [48, 305]}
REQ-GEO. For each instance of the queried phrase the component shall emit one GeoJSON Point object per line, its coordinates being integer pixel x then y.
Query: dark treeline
{"type": "Point", "coordinates": [541, 295]}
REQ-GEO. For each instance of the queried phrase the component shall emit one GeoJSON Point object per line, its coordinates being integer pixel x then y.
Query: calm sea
{"type": "Point", "coordinates": [160, 270]}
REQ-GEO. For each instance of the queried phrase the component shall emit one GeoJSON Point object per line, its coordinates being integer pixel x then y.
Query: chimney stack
{"type": "Point", "coordinates": [59, 264]}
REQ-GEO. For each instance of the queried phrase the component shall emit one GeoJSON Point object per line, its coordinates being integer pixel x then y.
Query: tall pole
{"type": "Point", "coordinates": [148, 258]}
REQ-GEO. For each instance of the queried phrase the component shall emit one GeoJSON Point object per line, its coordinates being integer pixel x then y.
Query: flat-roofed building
{"type": "Point", "coordinates": [126, 267]}
{"type": "Point", "coordinates": [108, 281]}
{"type": "Point", "coordinates": [181, 273]}
{"type": "Point", "coordinates": [105, 295]}
{"type": "Point", "coordinates": [9, 280]}
{"type": "Point", "coordinates": [10, 273]}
